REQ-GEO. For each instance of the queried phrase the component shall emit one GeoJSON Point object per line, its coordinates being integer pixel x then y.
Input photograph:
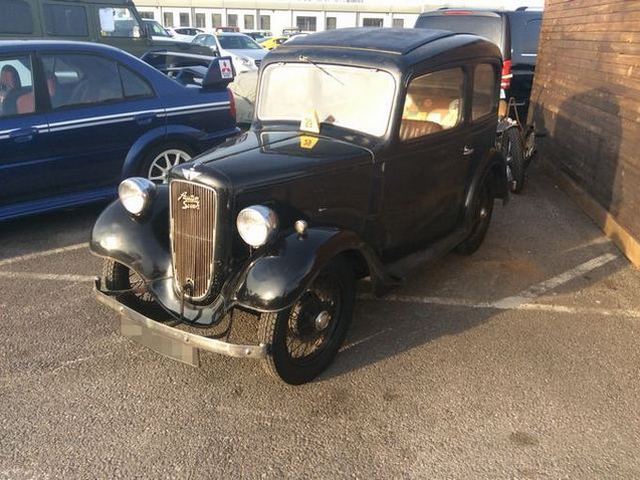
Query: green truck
{"type": "Point", "coordinates": [114, 22]}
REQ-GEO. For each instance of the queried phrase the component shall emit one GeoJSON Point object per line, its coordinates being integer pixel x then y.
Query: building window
{"type": "Point", "coordinates": [200, 20]}
{"type": "Point", "coordinates": [265, 22]}
{"type": "Point", "coordinates": [148, 15]}
{"type": "Point", "coordinates": [372, 22]}
{"type": "Point", "coordinates": [332, 23]}
{"type": "Point", "coordinates": [248, 22]}
{"type": "Point", "coordinates": [184, 19]}
{"type": "Point", "coordinates": [307, 24]}
{"type": "Point", "coordinates": [232, 20]}
{"type": "Point", "coordinates": [398, 23]}
{"type": "Point", "coordinates": [216, 20]}
{"type": "Point", "coordinates": [168, 19]}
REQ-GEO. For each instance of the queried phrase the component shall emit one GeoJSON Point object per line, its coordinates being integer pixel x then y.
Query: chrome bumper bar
{"type": "Point", "coordinates": [141, 328]}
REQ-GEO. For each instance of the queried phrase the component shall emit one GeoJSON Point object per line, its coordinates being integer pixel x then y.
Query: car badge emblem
{"type": "Point", "coordinates": [189, 201]}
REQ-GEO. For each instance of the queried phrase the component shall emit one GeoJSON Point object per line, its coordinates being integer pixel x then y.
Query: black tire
{"type": "Point", "coordinates": [119, 277]}
{"type": "Point", "coordinates": [482, 212]}
{"type": "Point", "coordinates": [513, 152]}
{"type": "Point", "coordinates": [154, 152]}
{"type": "Point", "coordinates": [300, 323]}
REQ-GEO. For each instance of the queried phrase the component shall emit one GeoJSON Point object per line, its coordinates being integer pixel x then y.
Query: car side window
{"type": "Point", "coordinates": [65, 20]}
{"type": "Point", "coordinates": [79, 79]}
{"type": "Point", "coordinates": [118, 22]}
{"type": "Point", "coordinates": [16, 86]}
{"type": "Point", "coordinates": [485, 91]}
{"type": "Point", "coordinates": [434, 103]}
{"type": "Point", "coordinates": [134, 85]}
{"type": "Point", "coordinates": [16, 17]}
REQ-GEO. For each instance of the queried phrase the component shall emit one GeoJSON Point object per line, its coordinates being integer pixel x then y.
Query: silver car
{"type": "Point", "coordinates": [245, 52]}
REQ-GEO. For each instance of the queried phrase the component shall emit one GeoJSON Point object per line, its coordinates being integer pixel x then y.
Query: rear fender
{"type": "Point", "coordinates": [276, 277]}
{"type": "Point", "coordinates": [494, 169]}
{"type": "Point", "coordinates": [139, 243]}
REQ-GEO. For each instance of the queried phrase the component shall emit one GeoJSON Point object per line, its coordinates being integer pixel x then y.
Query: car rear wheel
{"type": "Point", "coordinates": [482, 211]}
{"type": "Point", "coordinates": [161, 160]}
{"type": "Point", "coordinates": [305, 338]}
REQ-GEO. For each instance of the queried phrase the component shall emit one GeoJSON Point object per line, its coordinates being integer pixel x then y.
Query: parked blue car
{"type": "Point", "coordinates": [76, 118]}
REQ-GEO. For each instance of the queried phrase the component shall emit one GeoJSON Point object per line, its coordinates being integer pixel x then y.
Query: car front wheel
{"type": "Point", "coordinates": [304, 339]}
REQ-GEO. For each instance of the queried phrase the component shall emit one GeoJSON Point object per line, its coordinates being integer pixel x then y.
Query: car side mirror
{"type": "Point", "coordinates": [219, 74]}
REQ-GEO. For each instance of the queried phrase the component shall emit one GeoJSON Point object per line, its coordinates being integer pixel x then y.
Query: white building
{"type": "Point", "coordinates": [308, 15]}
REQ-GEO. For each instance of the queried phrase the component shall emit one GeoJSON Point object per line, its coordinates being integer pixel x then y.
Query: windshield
{"type": "Point", "coordinates": [238, 42]}
{"type": "Point", "coordinates": [157, 29]}
{"type": "Point", "coordinates": [359, 99]}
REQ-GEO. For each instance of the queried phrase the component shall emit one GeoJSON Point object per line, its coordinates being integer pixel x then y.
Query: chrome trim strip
{"type": "Point", "coordinates": [177, 335]}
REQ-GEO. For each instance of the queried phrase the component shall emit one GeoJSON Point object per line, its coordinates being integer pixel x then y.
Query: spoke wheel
{"type": "Point", "coordinates": [513, 152]}
{"type": "Point", "coordinates": [304, 339]}
{"type": "Point", "coordinates": [163, 162]}
{"type": "Point", "coordinates": [119, 277]}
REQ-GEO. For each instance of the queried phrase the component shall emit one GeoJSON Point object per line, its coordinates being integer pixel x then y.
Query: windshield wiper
{"type": "Point", "coordinates": [308, 60]}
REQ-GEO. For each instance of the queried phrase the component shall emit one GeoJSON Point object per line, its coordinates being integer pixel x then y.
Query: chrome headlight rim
{"type": "Point", "coordinates": [136, 195]}
{"type": "Point", "coordinates": [257, 225]}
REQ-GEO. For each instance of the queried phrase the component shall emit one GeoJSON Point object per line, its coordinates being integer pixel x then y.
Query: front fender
{"type": "Point", "coordinates": [140, 243]}
{"type": "Point", "coordinates": [276, 277]}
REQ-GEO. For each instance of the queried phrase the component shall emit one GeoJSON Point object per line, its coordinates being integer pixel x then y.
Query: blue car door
{"type": "Point", "coordinates": [23, 130]}
{"type": "Point", "coordinates": [99, 108]}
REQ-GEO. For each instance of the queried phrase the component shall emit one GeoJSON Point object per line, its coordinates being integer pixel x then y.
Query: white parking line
{"type": "Point", "coordinates": [31, 256]}
{"type": "Point", "coordinates": [47, 276]}
{"type": "Point", "coordinates": [543, 287]}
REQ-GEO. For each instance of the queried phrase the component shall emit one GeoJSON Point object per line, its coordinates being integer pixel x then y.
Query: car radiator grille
{"type": "Point", "coordinates": [193, 234]}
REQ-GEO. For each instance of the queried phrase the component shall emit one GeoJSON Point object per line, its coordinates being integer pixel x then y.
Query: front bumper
{"type": "Point", "coordinates": [169, 340]}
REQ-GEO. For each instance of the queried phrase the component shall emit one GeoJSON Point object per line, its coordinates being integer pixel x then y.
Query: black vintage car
{"type": "Point", "coordinates": [371, 150]}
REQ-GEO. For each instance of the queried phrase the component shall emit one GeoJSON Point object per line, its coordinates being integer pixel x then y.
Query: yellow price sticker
{"type": "Point", "coordinates": [308, 142]}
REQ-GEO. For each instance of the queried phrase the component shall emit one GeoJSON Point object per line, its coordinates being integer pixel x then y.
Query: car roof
{"type": "Point", "coordinates": [46, 45]}
{"type": "Point", "coordinates": [393, 40]}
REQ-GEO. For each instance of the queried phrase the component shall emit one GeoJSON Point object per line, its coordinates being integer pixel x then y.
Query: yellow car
{"type": "Point", "coordinates": [273, 42]}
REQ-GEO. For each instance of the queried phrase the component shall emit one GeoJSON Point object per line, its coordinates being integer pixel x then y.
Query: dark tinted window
{"type": "Point", "coordinates": [16, 17]}
{"type": "Point", "coordinates": [134, 85]}
{"type": "Point", "coordinates": [65, 20]}
{"type": "Point", "coordinates": [82, 79]}
{"type": "Point", "coordinates": [487, 27]}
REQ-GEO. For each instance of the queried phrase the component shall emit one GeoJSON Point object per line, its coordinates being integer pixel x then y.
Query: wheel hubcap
{"type": "Point", "coordinates": [322, 320]}
{"type": "Point", "coordinates": [483, 212]}
{"type": "Point", "coordinates": [164, 162]}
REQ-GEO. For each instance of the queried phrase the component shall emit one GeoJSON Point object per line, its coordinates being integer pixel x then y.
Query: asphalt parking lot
{"type": "Point", "coordinates": [520, 361]}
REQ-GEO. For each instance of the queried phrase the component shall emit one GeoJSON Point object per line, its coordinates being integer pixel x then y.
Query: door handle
{"type": "Point", "coordinates": [23, 135]}
{"type": "Point", "coordinates": [145, 118]}
{"type": "Point", "coordinates": [467, 150]}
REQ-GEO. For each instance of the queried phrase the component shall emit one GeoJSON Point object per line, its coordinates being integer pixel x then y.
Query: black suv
{"type": "Point", "coordinates": [355, 166]}
{"type": "Point", "coordinates": [515, 32]}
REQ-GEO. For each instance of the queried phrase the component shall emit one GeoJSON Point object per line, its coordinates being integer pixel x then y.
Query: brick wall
{"type": "Point", "coordinates": [586, 96]}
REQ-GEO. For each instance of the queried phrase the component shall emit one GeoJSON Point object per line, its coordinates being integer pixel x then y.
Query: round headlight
{"type": "Point", "coordinates": [256, 225]}
{"type": "Point", "coordinates": [136, 194]}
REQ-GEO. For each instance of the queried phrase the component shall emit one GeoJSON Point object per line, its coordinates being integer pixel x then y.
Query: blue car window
{"type": "Point", "coordinates": [16, 86]}
{"type": "Point", "coordinates": [134, 85]}
{"type": "Point", "coordinates": [80, 79]}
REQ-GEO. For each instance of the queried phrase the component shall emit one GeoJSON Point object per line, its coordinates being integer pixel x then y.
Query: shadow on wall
{"type": "Point", "coordinates": [583, 140]}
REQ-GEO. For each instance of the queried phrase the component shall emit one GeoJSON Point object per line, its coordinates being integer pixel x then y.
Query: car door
{"type": "Point", "coordinates": [99, 108]}
{"type": "Point", "coordinates": [24, 154]}
{"type": "Point", "coordinates": [424, 179]}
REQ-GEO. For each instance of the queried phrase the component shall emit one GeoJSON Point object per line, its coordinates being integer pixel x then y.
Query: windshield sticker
{"type": "Point", "coordinates": [308, 142]}
{"type": "Point", "coordinates": [310, 122]}
{"type": "Point", "coordinates": [225, 68]}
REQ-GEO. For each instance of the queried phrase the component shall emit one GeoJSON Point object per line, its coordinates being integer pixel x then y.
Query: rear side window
{"type": "Point", "coordinates": [16, 86]}
{"type": "Point", "coordinates": [65, 20]}
{"type": "Point", "coordinates": [434, 103]}
{"type": "Point", "coordinates": [133, 84]}
{"type": "Point", "coordinates": [16, 17]}
{"type": "Point", "coordinates": [78, 79]}
{"type": "Point", "coordinates": [485, 91]}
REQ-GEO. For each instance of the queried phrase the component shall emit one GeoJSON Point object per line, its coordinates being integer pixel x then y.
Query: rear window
{"type": "Point", "coordinates": [16, 17]}
{"type": "Point", "coordinates": [65, 20]}
{"type": "Point", "coordinates": [487, 27]}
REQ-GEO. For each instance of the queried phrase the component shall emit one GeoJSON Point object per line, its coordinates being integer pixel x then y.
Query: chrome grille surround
{"type": "Point", "coordinates": [193, 236]}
